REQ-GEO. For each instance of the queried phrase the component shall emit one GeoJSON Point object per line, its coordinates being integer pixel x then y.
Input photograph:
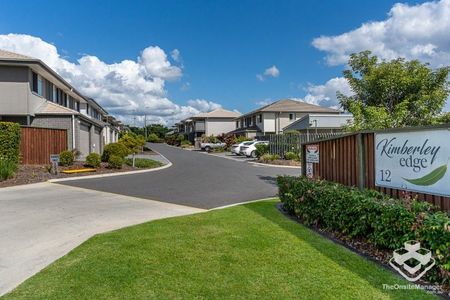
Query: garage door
{"type": "Point", "coordinates": [84, 140]}
{"type": "Point", "coordinates": [96, 140]}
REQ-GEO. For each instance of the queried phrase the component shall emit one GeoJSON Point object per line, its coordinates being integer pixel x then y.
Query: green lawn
{"type": "Point", "coordinates": [247, 251]}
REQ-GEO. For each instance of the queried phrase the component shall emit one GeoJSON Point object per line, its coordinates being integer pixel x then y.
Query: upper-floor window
{"type": "Point", "coordinates": [237, 124]}
{"type": "Point", "coordinates": [260, 118]}
{"type": "Point", "coordinates": [37, 84]}
{"type": "Point", "coordinates": [291, 117]}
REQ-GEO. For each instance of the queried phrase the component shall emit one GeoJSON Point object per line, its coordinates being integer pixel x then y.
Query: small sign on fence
{"type": "Point", "coordinates": [309, 170]}
{"type": "Point", "coordinates": [312, 153]}
{"type": "Point", "coordinates": [415, 161]}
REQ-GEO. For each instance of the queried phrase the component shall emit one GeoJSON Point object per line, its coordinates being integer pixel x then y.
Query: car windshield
{"type": "Point", "coordinates": [248, 143]}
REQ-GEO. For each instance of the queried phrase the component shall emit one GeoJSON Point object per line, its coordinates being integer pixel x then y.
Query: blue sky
{"type": "Point", "coordinates": [223, 45]}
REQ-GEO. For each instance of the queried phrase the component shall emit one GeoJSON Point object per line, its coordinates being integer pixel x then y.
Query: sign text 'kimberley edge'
{"type": "Point", "coordinates": [312, 153]}
{"type": "Point", "coordinates": [414, 160]}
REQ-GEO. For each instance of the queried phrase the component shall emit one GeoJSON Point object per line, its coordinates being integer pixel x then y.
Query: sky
{"type": "Point", "coordinates": [172, 59]}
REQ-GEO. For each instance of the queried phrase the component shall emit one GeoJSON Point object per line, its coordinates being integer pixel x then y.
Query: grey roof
{"type": "Point", "coordinates": [289, 105]}
{"type": "Point", "coordinates": [218, 113]}
{"type": "Point", "coordinates": [11, 55]}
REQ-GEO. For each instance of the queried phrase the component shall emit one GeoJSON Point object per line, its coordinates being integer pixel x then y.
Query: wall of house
{"type": "Point", "coordinates": [269, 122]}
{"type": "Point", "coordinates": [219, 126]}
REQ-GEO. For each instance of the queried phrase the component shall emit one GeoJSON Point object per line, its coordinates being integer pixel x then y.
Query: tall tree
{"type": "Point", "coordinates": [396, 93]}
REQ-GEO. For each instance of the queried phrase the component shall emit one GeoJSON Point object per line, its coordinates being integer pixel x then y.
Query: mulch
{"type": "Point", "coordinates": [281, 162]}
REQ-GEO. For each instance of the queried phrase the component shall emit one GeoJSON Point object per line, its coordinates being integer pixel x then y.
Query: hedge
{"type": "Point", "coordinates": [10, 141]}
{"type": "Point", "coordinates": [381, 220]}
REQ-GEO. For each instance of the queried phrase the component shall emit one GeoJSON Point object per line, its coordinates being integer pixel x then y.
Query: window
{"type": "Point", "coordinates": [48, 90]}
{"type": "Point", "coordinates": [37, 84]}
{"type": "Point", "coordinates": [291, 117]}
{"type": "Point", "coordinates": [237, 124]}
{"type": "Point", "coordinates": [260, 118]}
{"type": "Point", "coordinates": [54, 94]}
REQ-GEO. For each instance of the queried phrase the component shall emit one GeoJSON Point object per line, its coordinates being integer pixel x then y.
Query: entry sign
{"type": "Point", "coordinates": [309, 170]}
{"type": "Point", "coordinates": [415, 160]}
{"type": "Point", "coordinates": [312, 153]}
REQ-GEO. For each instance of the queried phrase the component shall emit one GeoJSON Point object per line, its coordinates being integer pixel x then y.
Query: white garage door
{"type": "Point", "coordinates": [96, 141]}
{"type": "Point", "coordinates": [84, 140]}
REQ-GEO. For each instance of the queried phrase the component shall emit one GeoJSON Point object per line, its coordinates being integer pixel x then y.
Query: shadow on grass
{"type": "Point", "coordinates": [321, 243]}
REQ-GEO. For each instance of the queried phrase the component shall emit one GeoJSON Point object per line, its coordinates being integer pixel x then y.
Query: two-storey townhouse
{"type": "Point", "coordinates": [275, 117]}
{"type": "Point", "coordinates": [32, 94]}
{"type": "Point", "coordinates": [216, 122]}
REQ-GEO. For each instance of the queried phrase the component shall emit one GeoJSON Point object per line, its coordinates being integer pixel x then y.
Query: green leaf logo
{"type": "Point", "coordinates": [431, 178]}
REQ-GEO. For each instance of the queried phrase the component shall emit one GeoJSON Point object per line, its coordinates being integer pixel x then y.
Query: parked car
{"type": "Point", "coordinates": [250, 150]}
{"type": "Point", "coordinates": [208, 147]}
{"type": "Point", "coordinates": [236, 148]}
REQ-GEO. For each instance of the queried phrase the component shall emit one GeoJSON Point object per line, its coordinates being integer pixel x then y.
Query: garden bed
{"type": "Point", "coordinates": [281, 162]}
{"type": "Point", "coordinates": [39, 173]}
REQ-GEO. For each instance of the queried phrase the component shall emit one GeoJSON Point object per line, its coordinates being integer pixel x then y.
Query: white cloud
{"type": "Point", "coordinates": [325, 94]}
{"type": "Point", "coordinates": [203, 105]}
{"type": "Point", "coordinates": [410, 31]}
{"type": "Point", "coordinates": [269, 72]}
{"type": "Point", "coordinates": [263, 102]}
{"type": "Point", "coordinates": [126, 89]}
{"type": "Point", "coordinates": [175, 54]}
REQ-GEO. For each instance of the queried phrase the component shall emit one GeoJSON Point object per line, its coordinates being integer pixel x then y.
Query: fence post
{"type": "Point", "coordinates": [361, 161]}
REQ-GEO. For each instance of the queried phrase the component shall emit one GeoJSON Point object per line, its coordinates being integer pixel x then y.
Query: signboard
{"type": "Point", "coordinates": [309, 170]}
{"type": "Point", "coordinates": [54, 159]}
{"type": "Point", "coordinates": [312, 153]}
{"type": "Point", "coordinates": [415, 161]}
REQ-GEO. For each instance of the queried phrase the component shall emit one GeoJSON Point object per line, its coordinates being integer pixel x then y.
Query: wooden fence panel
{"type": "Point", "coordinates": [36, 144]}
{"type": "Point", "coordinates": [339, 163]}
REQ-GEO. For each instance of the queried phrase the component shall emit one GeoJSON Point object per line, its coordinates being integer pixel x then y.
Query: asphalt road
{"type": "Point", "coordinates": [195, 179]}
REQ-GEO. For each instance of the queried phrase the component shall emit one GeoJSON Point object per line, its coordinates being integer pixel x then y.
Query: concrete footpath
{"type": "Point", "coordinates": [40, 223]}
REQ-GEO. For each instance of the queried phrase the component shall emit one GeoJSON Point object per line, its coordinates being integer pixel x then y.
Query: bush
{"type": "Point", "coordinates": [143, 163]}
{"type": "Point", "coordinates": [8, 169]}
{"type": "Point", "coordinates": [261, 149]}
{"type": "Point", "coordinates": [153, 138]}
{"type": "Point", "coordinates": [385, 222]}
{"type": "Point", "coordinates": [171, 139]}
{"type": "Point", "coordinates": [269, 157]}
{"type": "Point", "coordinates": [10, 142]}
{"type": "Point", "coordinates": [241, 138]}
{"type": "Point", "coordinates": [133, 142]}
{"type": "Point", "coordinates": [116, 149]}
{"type": "Point", "coordinates": [66, 158]}
{"type": "Point", "coordinates": [93, 160]}
{"type": "Point", "coordinates": [291, 156]}
{"type": "Point", "coordinates": [115, 162]}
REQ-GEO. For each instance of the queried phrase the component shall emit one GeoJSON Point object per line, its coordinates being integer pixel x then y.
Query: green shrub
{"type": "Point", "coordinates": [117, 149]}
{"type": "Point", "coordinates": [93, 160]}
{"type": "Point", "coordinates": [385, 222]}
{"type": "Point", "coordinates": [269, 157]}
{"type": "Point", "coordinates": [66, 158]}
{"type": "Point", "coordinates": [10, 141]}
{"type": "Point", "coordinates": [115, 162]}
{"type": "Point", "coordinates": [261, 149]}
{"type": "Point", "coordinates": [291, 156]}
{"type": "Point", "coordinates": [133, 142]}
{"type": "Point", "coordinates": [153, 138]}
{"type": "Point", "coordinates": [143, 163]}
{"type": "Point", "coordinates": [8, 169]}
{"type": "Point", "coordinates": [241, 138]}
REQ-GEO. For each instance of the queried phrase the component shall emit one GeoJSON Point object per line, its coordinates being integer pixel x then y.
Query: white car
{"type": "Point", "coordinates": [236, 148]}
{"type": "Point", "coordinates": [250, 150]}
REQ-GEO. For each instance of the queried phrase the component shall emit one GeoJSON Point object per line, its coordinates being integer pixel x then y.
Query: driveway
{"type": "Point", "coordinates": [41, 222]}
{"type": "Point", "coordinates": [194, 179]}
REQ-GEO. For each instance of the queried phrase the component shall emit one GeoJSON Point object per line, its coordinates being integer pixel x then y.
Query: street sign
{"type": "Point", "coordinates": [312, 153]}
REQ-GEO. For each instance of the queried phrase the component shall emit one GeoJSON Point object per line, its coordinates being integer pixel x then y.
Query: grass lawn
{"type": "Point", "coordinates": [247, 251]}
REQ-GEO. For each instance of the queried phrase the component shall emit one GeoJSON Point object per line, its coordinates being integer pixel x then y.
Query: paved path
{"type": "Point", "coordinates": [195, 179]}
{"type": "Point", "coordinates": [39, 223]}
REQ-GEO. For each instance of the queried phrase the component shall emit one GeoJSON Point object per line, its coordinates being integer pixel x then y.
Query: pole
{"type": "Point", "coordinates": [145, 126]}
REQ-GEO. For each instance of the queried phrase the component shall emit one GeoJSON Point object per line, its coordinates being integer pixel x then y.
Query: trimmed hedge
{"type": "Point", "coordinates": [115, 162]}
{"type": "Point", "coordinates": [66, 158]}
{"type": "Point", "coordinates": [10, 141]}
{"type": "Point", "coordinates": [383, 221]}
{"type": "Point", "coordinates": [93, 160]}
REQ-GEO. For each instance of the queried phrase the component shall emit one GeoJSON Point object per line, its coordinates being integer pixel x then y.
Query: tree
{"type": "Point", "coordinates": [133, 143]}
{"type": "Point", "coordinates": [396, 93]}
{"type": "Point", "coordinates": [158, 129]}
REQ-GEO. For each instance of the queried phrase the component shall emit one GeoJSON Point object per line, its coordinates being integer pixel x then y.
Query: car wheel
{"type": "Point", "coordinates": [253, 154]}
{"type": "Point", "coordinates": [208, 149]}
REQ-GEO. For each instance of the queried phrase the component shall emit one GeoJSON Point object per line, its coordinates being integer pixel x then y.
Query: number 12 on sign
{"type": "Point", "coordinates": [385, 175]}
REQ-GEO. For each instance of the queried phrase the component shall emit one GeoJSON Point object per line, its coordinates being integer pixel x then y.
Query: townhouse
{"type": "Point", "coordinates": [32, 94]}
{"type": "Point", "coordinates": [216, 122]}
{"type": "Point", "coordinates": [276, 117]}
